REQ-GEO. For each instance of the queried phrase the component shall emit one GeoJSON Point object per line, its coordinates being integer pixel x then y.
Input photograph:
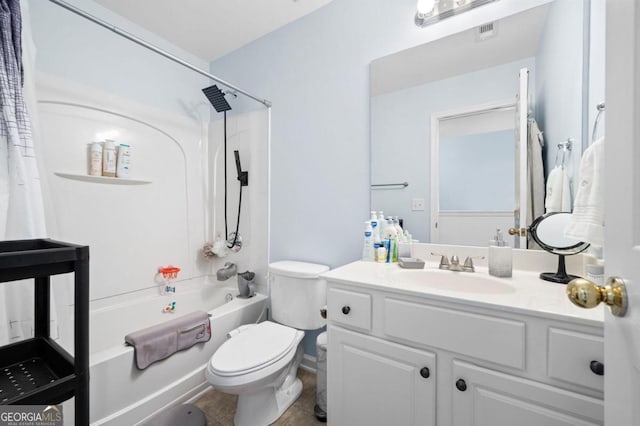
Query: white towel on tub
{"type": "Point", "coordinates": [587, 219]}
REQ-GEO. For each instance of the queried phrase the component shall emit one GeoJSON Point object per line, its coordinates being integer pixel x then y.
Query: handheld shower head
{"type": "Point", "coordinates": [216, 97]}
{"type": "Point", "coordinates": [243, 177]}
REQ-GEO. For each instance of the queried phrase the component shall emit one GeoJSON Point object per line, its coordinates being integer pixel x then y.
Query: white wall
{"type": "Point", "coordinates": [559, 82]}
{"type": "Point", "coordinates": [401, 133]}
{"type": "Point", "coordinates": [159, 108]}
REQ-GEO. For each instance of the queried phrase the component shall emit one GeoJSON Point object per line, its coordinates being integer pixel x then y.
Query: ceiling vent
{"type": "Point", "coordinates": [486, 31]}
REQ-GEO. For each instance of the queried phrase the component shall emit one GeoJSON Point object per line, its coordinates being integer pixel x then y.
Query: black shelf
{"type": "Point", "coordinates": [38, 370]}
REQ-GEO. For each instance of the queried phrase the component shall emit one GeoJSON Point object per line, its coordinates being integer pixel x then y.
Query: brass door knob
{"type": "Point", "coordinates": [522, 232]}
{"type": "Point", "coordinates": [585, 294]}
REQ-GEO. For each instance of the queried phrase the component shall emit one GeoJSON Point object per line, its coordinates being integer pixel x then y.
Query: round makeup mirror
{"type": "Point", "coordinates": [548, 231]}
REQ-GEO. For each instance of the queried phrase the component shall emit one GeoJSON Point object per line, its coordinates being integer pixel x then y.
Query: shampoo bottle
{"type": "Point", "coordinates": [95, 159]}
{"type": "Point", "coordinates": [368, 253]}
{"type": "Point", "coordinates": [124, 160]}
{"type": "Point", "coordinates": [109, 159]}
{"type": "Point", "coordinates": [500, 257]}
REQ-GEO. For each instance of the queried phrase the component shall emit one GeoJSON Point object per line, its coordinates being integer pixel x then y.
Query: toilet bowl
{"type": "Point", "coordinates": [259, 365]}
{"type": "Point", "coordinates": [259, 362]}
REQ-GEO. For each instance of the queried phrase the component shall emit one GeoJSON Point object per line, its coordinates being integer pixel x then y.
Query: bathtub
{"type": "Point", "coordinates": [123, 395]}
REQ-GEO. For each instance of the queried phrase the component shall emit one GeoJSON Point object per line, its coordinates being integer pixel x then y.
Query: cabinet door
{"type": "Point", "coordinates": [483, 397]}
{"type": "Point", "coordinates": [374, 382]}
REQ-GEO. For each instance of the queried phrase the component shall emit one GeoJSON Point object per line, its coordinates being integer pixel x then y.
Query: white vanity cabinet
{"type": "Point", "coordinates": [396, 358]}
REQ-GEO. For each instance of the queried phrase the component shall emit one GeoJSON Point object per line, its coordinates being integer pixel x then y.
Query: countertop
{"type": "Point", "coordinates": [524, 292]}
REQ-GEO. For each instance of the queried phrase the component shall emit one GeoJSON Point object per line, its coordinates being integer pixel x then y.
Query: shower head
{"type": "Point", "coordinates": [243, 177]}
{"type": "Point", "coordinates": [216, 97]}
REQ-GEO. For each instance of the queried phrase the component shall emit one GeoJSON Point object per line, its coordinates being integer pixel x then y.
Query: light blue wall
{"type": "Point", "coordinates": [401, 132]}
{"type": "Point", "coordinates": [480, 172]}
{"type": "Point", "coordinates": [316, 72]}
{"type": "Point", "coordinates": [559, 83]}
{"type": "Point", "coordinates": [72, 48]}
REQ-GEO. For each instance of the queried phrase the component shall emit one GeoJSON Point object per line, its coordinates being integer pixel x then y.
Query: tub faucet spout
{"type": "Point", "coordinates": [226, 272]}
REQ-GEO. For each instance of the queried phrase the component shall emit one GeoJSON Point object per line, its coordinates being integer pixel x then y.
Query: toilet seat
{"type": "Point", "coordinates": [254, 349]}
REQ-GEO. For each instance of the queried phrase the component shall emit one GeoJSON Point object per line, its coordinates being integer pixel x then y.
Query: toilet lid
{"type": "Point", "coordinates": [254, 348]}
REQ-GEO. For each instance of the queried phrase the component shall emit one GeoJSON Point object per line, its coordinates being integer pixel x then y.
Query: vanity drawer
{"type": "Point", "coordinates": [349, 308]}
{"type": "Point", "coordinates": [485, 337]}
{"type": "Point", "coordinates": [571, 355]}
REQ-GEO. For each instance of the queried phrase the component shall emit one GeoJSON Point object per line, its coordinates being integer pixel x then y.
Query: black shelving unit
{"type": "Point", "coordinates": [38, 370]}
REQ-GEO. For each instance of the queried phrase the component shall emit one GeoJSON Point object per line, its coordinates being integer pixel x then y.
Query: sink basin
{"type": "Point", "coordinates": [466, 282]}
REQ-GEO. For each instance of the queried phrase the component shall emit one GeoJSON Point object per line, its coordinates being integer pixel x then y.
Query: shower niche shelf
{"type": "Point", "coordinates": [37, 370]}
{"type": "Point", "coordinates": [102, 179]}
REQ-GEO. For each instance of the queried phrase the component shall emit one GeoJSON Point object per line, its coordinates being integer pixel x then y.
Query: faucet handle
{"type": "Point", "coordinates": [468, 263]}
{"type": "Point", "coordinates": [444, 262]}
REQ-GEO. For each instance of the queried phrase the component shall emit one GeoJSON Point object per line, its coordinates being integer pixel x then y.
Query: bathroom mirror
{"type": "Point", "coordinates": [449, 118]}
{"type": "Point", "coordinates": [548, 231]}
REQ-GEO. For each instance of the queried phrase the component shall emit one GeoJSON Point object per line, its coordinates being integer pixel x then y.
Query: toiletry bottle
{"type": "Point", "coordinates": [123, 163]}
{"type": "Point", "coordinates": [375, 226]}
{"type": "Point", "coordinates": [500, 257]}
{"type": "Point", "coordinates": [368, 253]}
{"type": "Point", "coordinates": [381, 253]}
{"type": "Point", "coordinates": [396, 223]}
{"type": "Point", "coordinates": [382, 223]}
{"type": "Point", "coordinates": [109, 159]}
{"type": "Point", "coordinates": [95, 159]}
{"type": "Point", "coordinates": [391, 235]}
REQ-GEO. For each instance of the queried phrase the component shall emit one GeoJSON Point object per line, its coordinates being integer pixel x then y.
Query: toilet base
{"type": "Point", "coordinates": [267, 405]}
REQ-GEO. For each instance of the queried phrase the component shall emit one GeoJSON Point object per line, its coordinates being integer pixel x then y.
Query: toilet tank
{"type": "Point", "coordinates": [297, 294]}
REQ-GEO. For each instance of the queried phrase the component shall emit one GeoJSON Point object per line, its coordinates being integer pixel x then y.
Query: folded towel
{"type": "Point", "coordinates": [587, 219]}
{"type": "Point", "coordinates": [558, 197]}
{"type": "Point", "coordinates": [163, 340]}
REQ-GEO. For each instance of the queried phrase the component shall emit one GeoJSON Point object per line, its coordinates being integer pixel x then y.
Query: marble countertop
{"type": "Point", "coordinates": [524, 292]}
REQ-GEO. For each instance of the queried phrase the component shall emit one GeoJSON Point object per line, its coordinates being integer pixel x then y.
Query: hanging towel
{"type": "Point", "coordinates": [558, 197]}
{"type": "Point", "coordinates": [163, 340]}
{"type": "Point", "coordinates": [535, 172]}
{"type": "Point", "coordinates": [587, 220]}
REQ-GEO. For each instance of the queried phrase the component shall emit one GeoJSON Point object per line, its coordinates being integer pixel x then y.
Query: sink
{"type": "Point", "coordinates": [465, 282]}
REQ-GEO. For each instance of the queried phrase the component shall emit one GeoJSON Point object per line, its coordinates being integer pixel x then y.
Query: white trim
{"type": "Point", "coordinates": [469, 213]}
{"type": "Point", "coordinates": [309, 363]}
{"type": "Point", "coordinates": [436, 117]}
{"type": "Point", "coordinates": [523, 133]}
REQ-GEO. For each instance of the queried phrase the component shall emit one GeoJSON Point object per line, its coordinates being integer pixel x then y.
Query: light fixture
{"type": "Point", "coordinates": [431, 11]}
{"type": "Point", "coordinates": [425, 7]}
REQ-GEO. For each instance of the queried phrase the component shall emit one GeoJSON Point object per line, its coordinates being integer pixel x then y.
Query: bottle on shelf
{"type": "Point", "coordinates": [123, 162]}
{"type": "Point", "coordinates": [95, 159]}
{"type": "Point", "coordinates": [109, 158]}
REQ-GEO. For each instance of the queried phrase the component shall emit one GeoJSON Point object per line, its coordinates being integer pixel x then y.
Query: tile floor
{"type": "Point", "coordinates": [220, 408]}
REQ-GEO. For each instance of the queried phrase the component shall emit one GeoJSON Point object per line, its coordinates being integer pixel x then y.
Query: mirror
{"type": "Point", "coordinates": [548, 231]}
{"type": "Point", "coordinates": [451, 123]}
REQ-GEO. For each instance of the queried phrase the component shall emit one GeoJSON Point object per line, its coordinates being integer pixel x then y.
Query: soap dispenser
{"type": "Point", "coordinates": [500, 257]}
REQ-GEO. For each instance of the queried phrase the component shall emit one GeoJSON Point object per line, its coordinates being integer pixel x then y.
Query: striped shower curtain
{"type": "Point", "coordinates": [21, 207]}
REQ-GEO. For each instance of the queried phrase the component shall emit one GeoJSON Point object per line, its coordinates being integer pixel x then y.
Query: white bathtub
{"type": "Point", "coordinates": [123, 395]}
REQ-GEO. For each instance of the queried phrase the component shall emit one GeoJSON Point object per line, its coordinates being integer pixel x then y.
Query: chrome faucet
{"type": "Point", "coordinates": [226, 272]}
{"type": "Point", "coordinates": [454, 264]}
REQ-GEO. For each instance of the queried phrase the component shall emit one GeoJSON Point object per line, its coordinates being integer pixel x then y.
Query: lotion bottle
{"type": "Point", "coordinates": [368, 253]}
{"type": "Point", "coordinates": [500, 257]}
{"type": "Point", "coordinates": [109, 159]}
{"type": "Point", "coordinates": [95, 159]}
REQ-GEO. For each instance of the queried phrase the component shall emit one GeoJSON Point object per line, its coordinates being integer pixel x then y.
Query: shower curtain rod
{"type": "Point", "coordinates": [155, 49]}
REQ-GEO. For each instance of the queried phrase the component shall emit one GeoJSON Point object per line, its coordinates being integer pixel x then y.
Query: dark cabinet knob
{"type": "Point", "coordinates": [461, 385]}
{"type": "Point", "coordinates": [597, 367]}
{"type": "Point", "coordinates": [424, 372]}
{"type": "Point", "coordinates": [346, 310]}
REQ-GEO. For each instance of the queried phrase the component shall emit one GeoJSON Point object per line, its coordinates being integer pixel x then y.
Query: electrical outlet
{"type": "Point", "coordinates": [417, 204]}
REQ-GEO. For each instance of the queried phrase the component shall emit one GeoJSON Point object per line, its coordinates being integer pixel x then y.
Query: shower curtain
{"type": "Point", "coordinates": [21, 206]}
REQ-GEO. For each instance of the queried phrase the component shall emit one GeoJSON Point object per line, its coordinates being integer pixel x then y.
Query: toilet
{"type": "Point", "coordinates": [259, 362]}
